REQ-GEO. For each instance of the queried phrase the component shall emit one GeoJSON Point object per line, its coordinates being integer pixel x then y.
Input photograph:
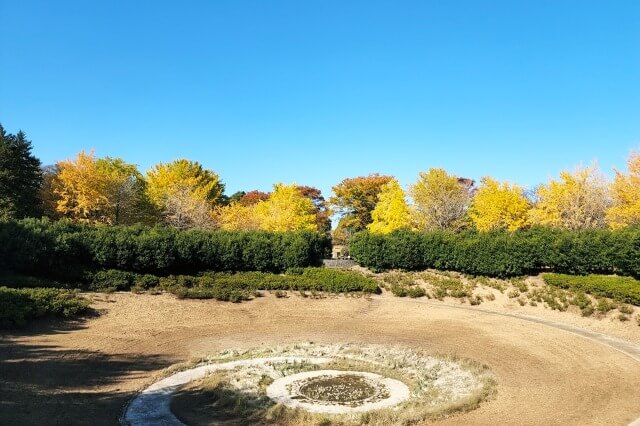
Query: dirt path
{"type": "Point", "coordinates": [628, 348]}
{"type": "Point", "coordinates": [85, 372]}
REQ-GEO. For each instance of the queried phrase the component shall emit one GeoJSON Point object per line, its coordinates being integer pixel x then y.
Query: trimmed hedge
{"type": "Point", "coordinates": [622, 289]}
{"type": "Point", "coordinates": [18, 306]}
{"type": "Point", "coordinates": [238, 286]}
{"type": "Point", "coordinates": [66, 250]}
{"type": "Point", "coordinates": [503, 254]}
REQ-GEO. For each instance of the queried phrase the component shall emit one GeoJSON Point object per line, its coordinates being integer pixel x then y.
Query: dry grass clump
{"type": "Point", "coordinates": [525, 291]}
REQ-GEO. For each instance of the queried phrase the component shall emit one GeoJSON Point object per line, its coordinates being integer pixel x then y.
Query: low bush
{"type": "Point", "coordinates": [19, 281]}
{"type": "Point", "coordinates": [243, 285]}
{"type": "Point", "coordinates": [18, 306]}
{"type": "Point", "coordinates": [111, 280]}
{"type": "Point", "coordinates": [622, 289]}
{"type": "Point", "coordinates": [501, 253]}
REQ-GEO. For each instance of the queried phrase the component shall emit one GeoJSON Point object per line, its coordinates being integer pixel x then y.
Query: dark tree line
{"type": "Point", "coordinates": [20, 177]}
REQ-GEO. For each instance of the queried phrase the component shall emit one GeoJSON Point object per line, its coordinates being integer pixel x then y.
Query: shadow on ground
{"type": "Point", "coordinates": [219, 406]}
{"type": "Point", "coordinates": [49, 385]}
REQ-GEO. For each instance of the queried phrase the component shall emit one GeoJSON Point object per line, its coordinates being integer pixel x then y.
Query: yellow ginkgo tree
{"type": "Point", "coordinates": [392, 211]}
{"type": "Point", "coordinates": [185, 193]}
{"type": "Point", "coordinates": [286, 209]}
{"type": "Point", "coordinates": [626, 195]}
{"type": "Point", "coordinates": [237, 216]}
{"type": "Point", "coordinates": [441, 200]}
{"type": "Point", "coordinates": [99, 190]}
{"type": "Point", "coordinates": [578, 200]}
{"type": "Point", "coordinates": [499, 206]}
{"type": "Point", "coordinates": [80, 190]}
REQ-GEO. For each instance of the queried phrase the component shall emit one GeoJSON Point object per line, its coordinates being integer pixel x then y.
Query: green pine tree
{"type": "Point", "coordinates": [20, 177]}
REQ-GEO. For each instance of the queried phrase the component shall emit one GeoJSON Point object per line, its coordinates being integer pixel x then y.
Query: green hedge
{"type": "Point", "coordinates": [66, 250]}
{"type": "Point", "coordinates": [242, 285]}
{"type": "Point", "coordinates": [18, 306]}
{"type": "Point", "coordinates": [503, 254]}
{"type": "Point", "coordinates": [622, 289]}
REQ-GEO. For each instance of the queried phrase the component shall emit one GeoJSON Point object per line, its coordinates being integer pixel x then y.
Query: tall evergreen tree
{"type": "Point", "coordinates": [20, 177]}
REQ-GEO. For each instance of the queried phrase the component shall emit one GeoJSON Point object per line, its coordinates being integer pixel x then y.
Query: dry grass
{"type": "Point", "coordinates": [524, 291]}
{"type": "Point", "coordinates": [440, 385]}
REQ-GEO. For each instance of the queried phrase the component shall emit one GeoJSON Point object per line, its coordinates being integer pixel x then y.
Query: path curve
{"type": "Point", "coordinates": [152, 405]}
{"type": "Point", "coordinates": [628, 348]}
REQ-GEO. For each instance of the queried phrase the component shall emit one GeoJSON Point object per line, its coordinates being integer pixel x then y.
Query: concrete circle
{"type": "Point", "coordinates": [286, 390]}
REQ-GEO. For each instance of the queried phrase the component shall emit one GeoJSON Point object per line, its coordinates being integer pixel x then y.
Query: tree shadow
{"type": "Point", "coordinates": [220, 406]}
{"type": "Point", "coordinates": [45, 384]}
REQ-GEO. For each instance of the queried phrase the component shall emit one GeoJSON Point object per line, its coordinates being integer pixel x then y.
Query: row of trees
{"type": "Point", "coordinates": [184, 194]}
{"type": "Point", "coordinates": [111, 191]}
{"type": "Point", "coordinates": [582, 199]}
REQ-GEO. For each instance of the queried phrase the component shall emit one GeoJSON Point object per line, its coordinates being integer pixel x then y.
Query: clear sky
{"type": "Point", "coordinates": [316, 91]}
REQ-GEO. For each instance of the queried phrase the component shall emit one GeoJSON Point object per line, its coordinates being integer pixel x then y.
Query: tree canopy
{"type": "Point", "coordinates": [99, 190]}
{"type": "Point", "coordinates": [354, 199]}
{"type": "Point", "coordinates": [441, 200]}
{"type": "Point", "coordinates": [578, 200]}
{"type": "Point", "coordinates": [20, 177]}
{"type": "Point", "coordinates": [625, 189]}
{"type": "Point", "coordinates": [392, 211]}
{"type": "Point", "coordinates": [499, 206]}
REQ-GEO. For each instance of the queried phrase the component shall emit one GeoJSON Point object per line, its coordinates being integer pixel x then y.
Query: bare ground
{"type": "Point", "coordinates": [84, 372]}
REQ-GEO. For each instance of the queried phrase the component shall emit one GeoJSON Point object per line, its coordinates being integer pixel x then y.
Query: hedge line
{"type": "Point", "coordinates": [237, 286]}
{"type": "Point", "coordinates": [622, 289]}
{"type": "Point", "coordinates": [503, 254]}
{"type": "Point", "coordinates": [242, 285]}
{"type": "Point", "coordinates": [17, 306]}
{"type": "Point", "coordinates": [64, 249]}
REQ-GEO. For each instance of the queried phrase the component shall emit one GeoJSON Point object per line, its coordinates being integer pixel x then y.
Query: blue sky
{"type": "Point", "coordinates": [316, 91]}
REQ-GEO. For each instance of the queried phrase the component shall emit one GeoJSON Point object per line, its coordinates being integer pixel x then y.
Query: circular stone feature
{"type": "Point", "coordinates": [346, 389]}
{"type": "Point", "coordinates": [335, 391]}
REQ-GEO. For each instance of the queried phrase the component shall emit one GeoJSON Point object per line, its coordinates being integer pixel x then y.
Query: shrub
{"type": "Point", "coordinates": [111, 280]}
{"type": "Point", "coordinates": [625, 309]}
{"type": "Point", "coordinates": [622, 289]}
{"type": "Point", "coordinates": [17, 306]}
{"type": "Point", "coordinates": [145, 282]}
{"type": "Point", "coordinates": [501, 253]}
{"type": "Point", "coordinates": [604, 306]}
{"type": "Point", "coordinates": [243, 285]}
{"type": "Point", "coordinates": [399, 290]}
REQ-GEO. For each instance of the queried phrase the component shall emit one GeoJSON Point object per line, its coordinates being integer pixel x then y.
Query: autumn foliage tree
{"type": "Point", "coordinates": [578, 200]}
{"type": "Point", "coordinates": [237, 217]}
{"type": "Point", "coordinates": [80, 190]}
{"type": "Point", "coordinates": [392, 211]}
{"type": "Point", "coordinates": [183, 191]}
{"type": "Point", "coordinates": [105, 190]}
{"type": "Point", "coordinates": [626, 195]}
{"type": "Point", "coordinates": [441, 200]}
{"type": "Point", "coordinates": [286, 209]}
{"type": "Point", "coordinates": [322, 211]}
{"type": "Point", "coordinates": [499, 206]}
{"type": "Point", "coordinates": [124, 188]}
{"type": "Point", "coordinates": [354, 199]}
{"type": "Point", "coordinates": [253, 197]}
